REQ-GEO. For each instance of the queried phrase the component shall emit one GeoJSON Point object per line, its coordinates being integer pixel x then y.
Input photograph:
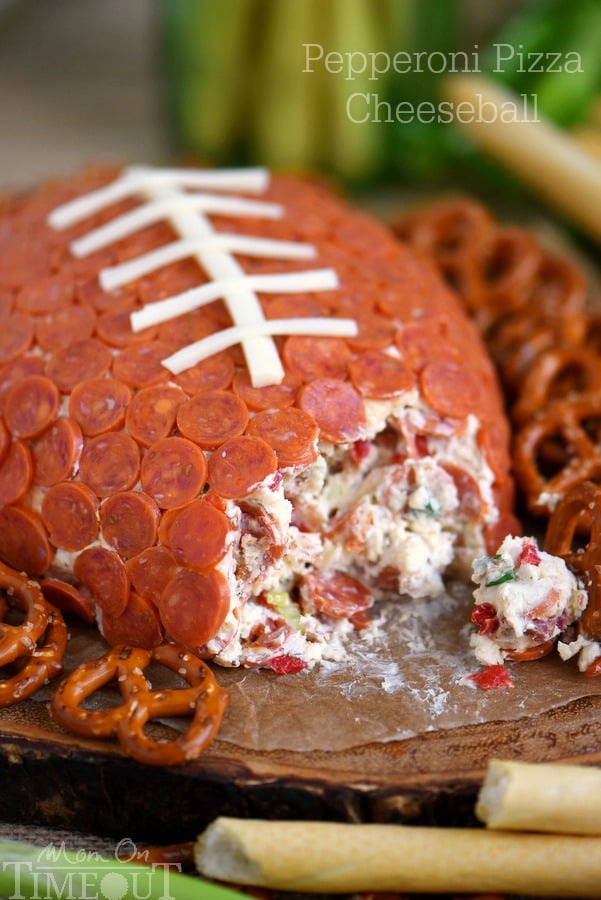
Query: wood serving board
{"type": "Point", "coordinates": [52, 779]}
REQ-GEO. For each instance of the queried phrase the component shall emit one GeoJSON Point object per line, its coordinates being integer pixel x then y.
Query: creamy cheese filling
{"type": "Point", "coordinates": [524, 599]}
{"type": "Point", "coordinates": [387, 511]}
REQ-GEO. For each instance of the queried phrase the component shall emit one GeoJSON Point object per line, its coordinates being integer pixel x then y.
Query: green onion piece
{"type": "Point", "coordinates": [506, 576]}
{"type": "Point", "coordinates": [31, 872]}
{"type": "Point", "coordinates": [277, 599]}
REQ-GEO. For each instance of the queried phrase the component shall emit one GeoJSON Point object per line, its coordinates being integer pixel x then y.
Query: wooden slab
{"type": "Point", "coordinates": [50, 778]}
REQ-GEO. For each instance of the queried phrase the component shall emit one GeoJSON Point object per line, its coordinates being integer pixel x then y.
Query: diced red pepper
{"type": "Point", "coordinates": [421, 445]}
{"type": "Point", "coordinates": [215, 500]}
{"type": "Point", "coordinates": [530, 554]}
{"type": "Point", "coordinates": [360, 451]}
{"type": "Point", "coordinates": [484, 615]}
{"type": "Point", "coordinates": [492, 677]}
{"type": "Point", "coordinates": [286, 664]}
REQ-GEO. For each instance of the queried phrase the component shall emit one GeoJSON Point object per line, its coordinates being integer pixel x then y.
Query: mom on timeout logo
{"type": "Point", "coordinates": [57, 873]}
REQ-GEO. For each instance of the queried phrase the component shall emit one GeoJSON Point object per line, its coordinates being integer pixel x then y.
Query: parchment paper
{"type": "Point", "coordinates": [412, 678]}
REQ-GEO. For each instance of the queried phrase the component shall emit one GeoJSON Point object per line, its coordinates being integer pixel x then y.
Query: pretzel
{"type": "Point", "coordinates": [559, 288]}
{"type": "Point", "coordinates": [41, 666]}
{"type": "Point", "coordinates": [565, 436]}
{"type": "Point", "coordinates": [446, 229]}
{"type": "Point", "coordinates": [203, 700]}
{"type": "Point", "coordinates": [20, 640]}
{"type": "Point", "coordinates": [579, 510]}
{"type": "Point", "coordinates": [560, 373]}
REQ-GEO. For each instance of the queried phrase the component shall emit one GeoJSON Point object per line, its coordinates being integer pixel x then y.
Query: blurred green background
{"type": "Point", "coordinates": [316, 83]}
{"type": "Point", "coordinates": [222, 81]}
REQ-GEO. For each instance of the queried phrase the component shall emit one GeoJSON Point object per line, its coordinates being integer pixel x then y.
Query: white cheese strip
{"type": "Point", "coordinates": [221, 340]}
{"type": "Point", "coordinates": [75, 210]}
{"type": "Point", "coordinates": [262, 358]}
{"type": "Point", "coordinates": [116, 276]}
{"type": "Point", "coordinates": [187, 301]}
{"type": "Point", "coordinates": [149, 213]}
{"type": "Point", "coordinates": [137, 179]}
{"type": "Point", "coordinates": [163, 189]}
{"type": "Point", "coordinates": [253, 180]}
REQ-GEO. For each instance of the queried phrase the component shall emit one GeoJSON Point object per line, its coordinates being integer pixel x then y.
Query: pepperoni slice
{"type": "Point", "coordinates": [194, 605]}
{"type": "Point", "coordinates": [425, 340]}
{"type": "Point", "coordinates": [103, 574]}
{"type": "Point", "coordinates": [4, 441]}
{"type": "Point", "coordinates": [468, 490]}
{"type": "Point", "coordinates": [151, 571]}
{"type": "Point", "coordinates": [110, 463]}
{"type": "Point", "coordinates": [197, 534]}
{"type": "Point", "coordinates": [45, 294]}
{"type": "Point", "coordinates": [16, 335]}
{"type": "Point", "coordinates": [30, 406]}
{"type": "Point", "coordinates": [336, 407]}
{"type": "Point", "coordinates": [239, 466]}
{"type": "Point", "coordinates": [139, 625]}
{"type": "Point", "coordinates": [115, 328]}
{"type": "Point", "coordinates": [188, 328]}
{"type": "Point", "coordinates": [151, 414]}
{"type": "Point", "coordinates": [24, 258]}
{"type": "Point", "coordinates": [173, 472]}
{"type": "Point", "coordinates": [292, 433]}
{"type": "Point", "coordinates": [379, 375]}
{"type": "Point", "coordinates": [316, 357]}
{"type": "Point", "coordinates": [59, 329]}
{"type": "Point", "coordinates": [70, 513]}
{"type": "Point", "coordinates": [139, 365]}
{"type": "Point", "coordinates": [334, 594]}
{"type": "Point", "coordinates": [450, 389]}
{"type": "Point", "coordinates": [212, 418]}
{"type": "Point", "coordinates": [24, 543]}
{"type": "Point", "coordinates": [293, 306]}
{"type": "Point", "coordinates": [56, 452]}
{"type": "Point", "coordinates": [16, 473]}
{"type": "Point", "coordinates": [129, 522]}
{"type": "Point", "coordinates": [273, 396]}
{"type": "Point", "coordinates": [6, 302]}
{"type": "Point", "coordinates": [375, 332]}
{"type": "Point", "coordinates": [68, 599]}
{"type": "Point", "coordinates": [91, 294]}
{"type": "Point", "coordinates": [212, 374]}
{"type": "Point", "coordinates": [79, 361]}
{"type": "Point", "coordinates": [99, 405]}
{"type": "Point", "coordinates": [14, 371]}
{"type": "Point", "coordinates": [173, 279]}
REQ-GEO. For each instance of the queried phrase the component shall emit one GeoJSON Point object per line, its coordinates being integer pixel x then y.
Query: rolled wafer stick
{"type": "Point", "coordinates": [546, 157]}
{"type": "Point", "coordinates": [559, 799]}
{"type": "Point", "coordinates": [344, 858]}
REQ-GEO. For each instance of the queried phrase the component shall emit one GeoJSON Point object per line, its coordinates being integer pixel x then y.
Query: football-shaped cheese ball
{"type": "Point", "coordinates": [236, 412]}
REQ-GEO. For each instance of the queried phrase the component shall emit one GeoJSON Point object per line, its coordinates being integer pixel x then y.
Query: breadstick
{"type": "Point", "coordinates": [537, 797]}
{"type": "Point", "coordinates": [345, 858]}
{"type": "Point", "coordinates": [546, 157]}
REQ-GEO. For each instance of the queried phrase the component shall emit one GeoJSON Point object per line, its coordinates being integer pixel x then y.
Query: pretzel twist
{"type": "Point", "coordinates": [579, 513]}
{"type": "Point", "coordinates": [203, 700]}
{"type": "Point", "coordinates": [35, 670]}
{"type": "Point", "coordinates": [564, 436]}
{"type": "Point", "coordinates": [559, 374]}
{"type": "Point", "coordinates": [20, 640]}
